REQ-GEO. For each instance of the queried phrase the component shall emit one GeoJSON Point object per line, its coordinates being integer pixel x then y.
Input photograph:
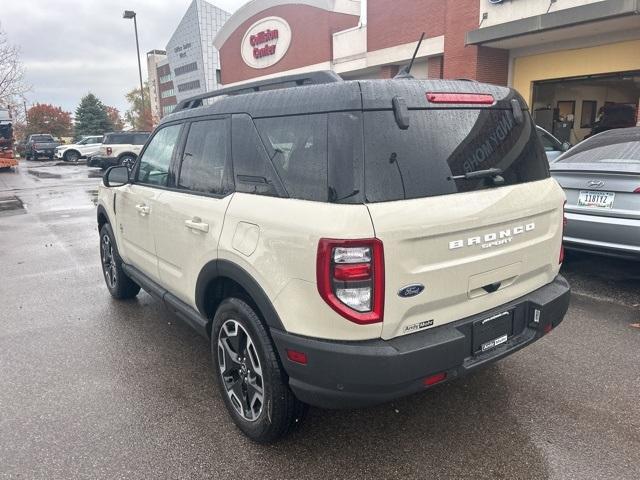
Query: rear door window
{"type": "Point", "coordinates": [204, 159]}
{"type": "Point", "coordinates": [299, 153]}
{"type": "Point", "coordinates": [441, 143]}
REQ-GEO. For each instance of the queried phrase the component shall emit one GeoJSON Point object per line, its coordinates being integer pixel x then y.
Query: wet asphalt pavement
{"type": "Point", "coordinates": [95, 388]}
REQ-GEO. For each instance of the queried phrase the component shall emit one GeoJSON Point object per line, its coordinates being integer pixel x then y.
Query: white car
{"type": "Point", "coordinates": [86, 147]}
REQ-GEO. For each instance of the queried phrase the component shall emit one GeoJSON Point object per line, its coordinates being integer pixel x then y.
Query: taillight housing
{"type": "Point", "coordinates": [637, 190]}
{"type": "Point", "coordinates": [350, 276]}
{"type": "Point", "coordinates": [461, 98]}
{"type": "Point", "coordinates": [564, 224]}
{"type": "Point", "coordinates": [109, 150]}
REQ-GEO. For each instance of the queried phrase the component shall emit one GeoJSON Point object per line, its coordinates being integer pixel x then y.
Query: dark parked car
{"type": "Point", "coordinates": [601, 178]}
{"type": "Point", "coordinates": [40, 145]}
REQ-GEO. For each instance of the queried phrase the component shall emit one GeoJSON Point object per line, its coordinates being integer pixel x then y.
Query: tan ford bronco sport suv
{"type": "Point", "coordinates": [341, 243]}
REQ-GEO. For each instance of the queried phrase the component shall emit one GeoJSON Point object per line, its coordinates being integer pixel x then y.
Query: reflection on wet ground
{"type": "Point", "coordinates": [39, 174]}
{"type": "Point", "coordinates": [11, 205]}
{"type": "Point", "coordinates": [93, 195]}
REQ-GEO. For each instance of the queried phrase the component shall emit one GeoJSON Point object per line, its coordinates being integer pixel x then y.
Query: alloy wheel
{"type": "Point", "coordinates": [128, 162]}
{"type": "Point", "coordinates": [108, 262]}
{"type": "Point", "coordinates": [240, 370]}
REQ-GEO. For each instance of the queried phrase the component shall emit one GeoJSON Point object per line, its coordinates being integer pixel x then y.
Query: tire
{"type": "Point", "coordinates": [246, 362]}
{"type": "Point", "coordinates": [71, 156]}
{"type": "Point", "coordinates": [27, 157]}
{"type": "Point", "coordinates": [120, 286]}
{"type": "Point", "coordinates": [128, 161]}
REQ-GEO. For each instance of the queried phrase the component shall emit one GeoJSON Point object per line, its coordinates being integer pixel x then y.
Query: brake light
{"type": "Point", "coordinates": [350, 276]}
{"type": "Point", "coordinates": [297, 357]}
{"type": "Point", "coordinates": [109, 150]}
{"type": "Point", "coordinates": [637, 190]}
{"type": "Point", "coordinates": [457, 98]}
{"type": "Point", "coordinates": [564, 224]}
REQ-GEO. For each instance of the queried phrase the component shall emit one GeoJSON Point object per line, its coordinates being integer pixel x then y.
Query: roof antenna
{"type": "Point", "coordinates": [405, 72]}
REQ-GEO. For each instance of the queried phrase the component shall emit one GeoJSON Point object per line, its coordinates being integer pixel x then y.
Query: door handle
{"type": "Point", "coordinates": [197, 224]}
{"type": "Point", "coordinates": [143, 209]}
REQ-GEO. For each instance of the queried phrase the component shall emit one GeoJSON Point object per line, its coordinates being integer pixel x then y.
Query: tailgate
{"type": "Point", "coordinates": [471, 251]}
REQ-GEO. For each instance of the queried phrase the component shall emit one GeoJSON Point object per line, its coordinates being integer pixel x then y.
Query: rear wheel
{"type": "Point", "coordinates": [128, 161]}
{"type": "Point", "coordinates": [252, 383]}
{"type": "Point", "coordinates": [119, 284]}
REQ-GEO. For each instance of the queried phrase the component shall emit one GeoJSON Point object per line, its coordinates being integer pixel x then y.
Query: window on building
{"type": "Point", "coordinates": [218, 77]}
{"type": "Point", "coordinates": [588, 114]}
{"type": "Point", "coordinates": [167, 109]}
{"type": "Point", "coordinates": [185, 87]}
{"type": "Point", "coordinates": [566, 108]}
{"type": "Point", "coordinates": [205, 157]}
{"type": "Point", "coordinates": [189, 67]}
{"type": "Point", "coordinates": [167, 93]}
{"type": "Point", "coordinates": [165, 78]}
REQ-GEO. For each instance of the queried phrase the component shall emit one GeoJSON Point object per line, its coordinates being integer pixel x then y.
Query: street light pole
{"type": "Point", "coordinates": [132, 14]}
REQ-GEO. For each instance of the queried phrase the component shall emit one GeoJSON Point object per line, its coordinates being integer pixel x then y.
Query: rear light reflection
{"type": "Point", "coordinates": [547, 328]}
{"type": "Point", "coordinates": [637, 190]}
{"type": "Point", "coordinates": [466, 98]}
{"type": "Point", "coordinates": [433, 379]}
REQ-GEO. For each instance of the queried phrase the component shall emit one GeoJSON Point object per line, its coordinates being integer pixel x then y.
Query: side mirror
{"type": "Point", "coordinates": [566, 146]}
{"type": "Point", "coordinates": [116, 176]}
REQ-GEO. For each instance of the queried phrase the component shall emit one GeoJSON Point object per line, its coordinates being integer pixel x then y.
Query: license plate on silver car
{"type": "Point", "coordinates": [591, 199]}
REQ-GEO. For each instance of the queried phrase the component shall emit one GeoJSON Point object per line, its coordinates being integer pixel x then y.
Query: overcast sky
{"type": "Point", "coordinates": [71, 47]}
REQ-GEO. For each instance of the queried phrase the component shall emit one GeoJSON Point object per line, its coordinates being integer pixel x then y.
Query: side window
{"type": "Point", "coordinates": [139, 138]}
{"type": "Point", "coordinates": [205, 157]}
{"type": "Point", "coordinates": [154, 163]}
{"type": "Point", "coordinates": [252, 168]}
{"type": "Point", "coordinates": [548, 144]}
{"type": "Point", "coordinates": [300, 153]}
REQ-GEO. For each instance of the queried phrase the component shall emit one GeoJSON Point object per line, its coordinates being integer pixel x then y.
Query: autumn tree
{"type": "Point", "coordinates": [12, 85]}
{"type": "Point", "coordinates": [139, 116]}
{"type": "Point", "coordinates": [45, 118]}
{"type": "Point", "coordinates": [114, 116]}
{"type": "Point", "coordinates": [92, 117]}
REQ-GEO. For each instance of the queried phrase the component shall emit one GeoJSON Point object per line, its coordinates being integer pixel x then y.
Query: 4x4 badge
{"type": "Point", "coordinates": [411, 290]}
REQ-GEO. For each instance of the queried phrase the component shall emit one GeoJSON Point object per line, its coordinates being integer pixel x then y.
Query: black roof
{"type": "Point", "coordinates": [339, 96]}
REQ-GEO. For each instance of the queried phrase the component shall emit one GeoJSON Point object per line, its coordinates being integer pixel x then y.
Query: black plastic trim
{"type": "Point", "coordinates": [224, 268]}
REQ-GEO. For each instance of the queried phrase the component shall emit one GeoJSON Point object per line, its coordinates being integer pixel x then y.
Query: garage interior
{"type": "Point", "coordinates": [573, 108]}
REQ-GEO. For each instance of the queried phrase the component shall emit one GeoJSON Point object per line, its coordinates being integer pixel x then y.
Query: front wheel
{"type": "Point", "coordinates": [119, 284]}
{"type": "Point", "coordinates": [71, 157]}
{"type": "Point", "coordinates": [251, 381]}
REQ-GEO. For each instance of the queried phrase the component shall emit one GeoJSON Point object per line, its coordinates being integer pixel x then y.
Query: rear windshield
{"type": "Point", "coordinates": [126, 139]}
{"type": "Point", "coordinates": [42, 138]}
{"type": "Point", "coordinates": [439, 144]}
{"type": "Point", "coordinates": [618, 146]}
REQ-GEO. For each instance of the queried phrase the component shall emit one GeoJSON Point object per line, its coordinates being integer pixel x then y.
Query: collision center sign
{"type": "Point", "coordinates": [266, 42]}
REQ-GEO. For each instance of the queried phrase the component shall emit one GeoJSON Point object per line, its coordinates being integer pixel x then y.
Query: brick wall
{"type": "Point", "coordinates": [396, 22]}
{"type": "Point", "coordinates": [493, 65]}
{"type": "Point", "coordinates": [434, 67]}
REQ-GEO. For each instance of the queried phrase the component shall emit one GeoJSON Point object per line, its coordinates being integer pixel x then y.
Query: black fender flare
{"type": "Point", "coordinates": [224, 268]}
{"type": "Point", "coordinates": [102, 211]}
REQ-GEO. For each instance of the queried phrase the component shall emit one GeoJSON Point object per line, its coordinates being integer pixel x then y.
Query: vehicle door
{"type": "Point", "coordinates": [136, 204]}
{"type": "Point", "coordinates": [91, 146]}
{"type": "Point", "coordinates": [193, 212]}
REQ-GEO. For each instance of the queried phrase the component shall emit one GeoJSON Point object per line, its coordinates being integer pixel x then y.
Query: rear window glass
{"type": "Point", "coordinates": [612, 146]}
{"type": "Point", "coordinates": [439, 144]}
{"type": "Point", "coordinates": [42, 138]}
{"type": "Point", "coordinates": [126, 139]}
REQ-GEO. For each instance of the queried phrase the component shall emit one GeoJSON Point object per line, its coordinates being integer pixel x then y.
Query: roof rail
{"type": "Point", "coordinates": [312, 78]}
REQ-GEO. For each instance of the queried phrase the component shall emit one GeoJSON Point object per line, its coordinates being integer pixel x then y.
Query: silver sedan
{"type": "Point", "coordinates": [601, 178]}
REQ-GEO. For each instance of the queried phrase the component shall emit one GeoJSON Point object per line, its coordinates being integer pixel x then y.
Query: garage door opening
{"type": "Point", "coordinates": [574, 108]}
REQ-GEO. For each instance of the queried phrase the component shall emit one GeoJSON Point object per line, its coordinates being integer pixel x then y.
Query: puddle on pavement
{"type": "Point", "coordinates": [39, 174]}
{"type": "Point", "coordinates": [11, 205]}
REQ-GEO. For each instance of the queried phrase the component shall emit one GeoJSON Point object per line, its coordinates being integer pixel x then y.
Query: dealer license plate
{"type": "Point", "coordinates": [591, 199]}
{"type": "Point", "coordinates": [492, 331]}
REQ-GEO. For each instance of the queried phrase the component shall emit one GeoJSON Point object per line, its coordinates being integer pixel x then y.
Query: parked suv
{"type": "Point", "coordinates": [84, 148]}
{"type": "Point", "coordinates": [119, 148]}
{"type": "Point", "coordinates": [342, 244]}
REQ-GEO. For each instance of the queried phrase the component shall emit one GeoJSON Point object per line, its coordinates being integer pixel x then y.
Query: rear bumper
{"type": "Point", "coordinates": [102, 162]}
{"type": "Point", "coordinates": [355, 374]}
{"type": "Point", "coordinates": [605, 235]}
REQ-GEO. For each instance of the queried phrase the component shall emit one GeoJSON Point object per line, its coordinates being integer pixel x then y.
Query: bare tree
{"type": "Point", "coordinates": [12, 83]}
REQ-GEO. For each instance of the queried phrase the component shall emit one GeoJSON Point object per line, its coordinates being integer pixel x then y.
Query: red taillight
{"type": "Point", "coordinates": [564, 224]}
{"type": "Point", "coordinates": [467, 98]}
{"type": "Point", "coordinates": [637, 190]}
{"type": "Point", "coordinates": [297, 357]}
{"type": "Point", "coordinates": [350, 276]}
{"type": "Point", "coordinates": [547, 328]}
{"type": "Point", "coordinates": [433, 379]}
{"type": "Point", "coordinates": [109, 150]}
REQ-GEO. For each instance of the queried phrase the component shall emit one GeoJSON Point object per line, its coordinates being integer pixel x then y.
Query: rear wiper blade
{"type": "Point", "coordinates": [488, 173]}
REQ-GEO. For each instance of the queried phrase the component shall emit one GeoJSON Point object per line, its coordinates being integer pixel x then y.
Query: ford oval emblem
{"type": "Point", "coordinates": [411, 290]}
